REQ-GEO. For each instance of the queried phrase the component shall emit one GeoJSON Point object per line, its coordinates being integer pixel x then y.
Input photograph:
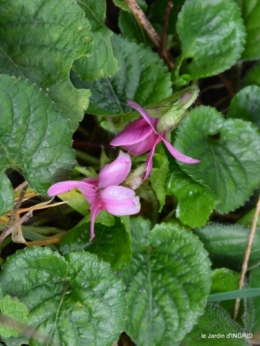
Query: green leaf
{"type": "Point", "coordinates": [40, 40]}
{"type": "Point", "coordinates": [76, 200]}
{"type": "Point", "coordinates": [14, 317]}
{"type": "Point", "coordinates": [254, 308]}
{"type": "Point", "coordinates": [158, 177]}
{"type": "Point", "coordinates": [76, 300]}
{"type": "Point", "coordinates": [35, 139]}
{"type": "Point", "coordinates": [112, 243]}
{"type": "Point", "coordinates": [131, 29]}
{"type": "Point", "coordinates": [140, 231]}
{"type": "Point", "coordinates": [101, 63]}
{"type": "Point", "coordinates": [230, 241]}
{"type": "Point", "coordinates": [206, 37]}
{"type": "Point", "coordinates": [246, 104]}
{"type": "Point", "coordinates": [167, 285]}
{"type": "Point", "coordinates": [253, 76]}
{"type": "Point", "coordinates": [195, 202]}
{"type": "Point", "coordinates": [250, 14]}
{"type": "Point", "coordinates": [132, 81]}
{"type": "Point", "coordinates": [228, 151]}
{"type": "Point", "coordinates": [216, 328]}
{"type": "Point", "coordinates": [224, 280]}
{"type": "Point", "coordinates": [6, 194]}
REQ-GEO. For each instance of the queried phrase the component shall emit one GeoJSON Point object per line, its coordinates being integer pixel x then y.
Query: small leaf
{"type": "Point", "coordinates": [76, 200]}
{"type": "Point", "coordinates": [76, 300]}
{"type": "Point", "coordinates": [101, 63]}
{"type": "Point", "coordinates": [247, 219]}
{"type": "Point", "coordinates": [195, 202]}
{"type": "Point", "coordinates": [14, 317]}
{"type": "Point", "coordinates": [246, 104]}
{"type": "Point", "coordinates": [112, 243]}
{"type": "Point", "coordinates": [228, 151]}
{"type": "Point", "coordinates": [230, 241]}
{"type": "Point", "coordinates": [39, 41]}
{"type": "Point", "coordinates": [206, 37]}
{"type": "Point", "coordinates": [216, 328]}
{"type": "Point", "coordinates": [158, 176]}
{"type": "Point", "coordinates": [253, 76]}
{"type": "Point", "coordinates": [250, 14]}
{"type": "Point", "coordinates": [132, 81]}
{"type": "Point", "coordinates": [167, 285]}
{"type": "Point", "coordinates": [35, 138]}
{"type": "Point", "coordinates": [224, 280]}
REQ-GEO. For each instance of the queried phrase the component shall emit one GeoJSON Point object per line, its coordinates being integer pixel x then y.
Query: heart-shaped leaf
{"type": "Point", "coordinates": [76, 300]}
{"type": "Point", "coordinates": [167, 283]}
{"type": "Point", "coordinates": [228, 151]}
{"type": "Point", "coordinates": [206, 38]}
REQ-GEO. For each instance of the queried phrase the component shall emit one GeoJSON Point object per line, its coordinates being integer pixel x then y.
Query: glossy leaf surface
{"type": "Point", "coordinates": [228, 151]}
{"type": "Point", "coordinates": [206, 38]}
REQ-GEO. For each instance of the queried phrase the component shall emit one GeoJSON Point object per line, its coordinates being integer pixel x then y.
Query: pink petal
{"type": "Point", "coordinates": [149, 160]}
{"type": "Point", "coordinates": [95, 210]}
{"type": "Point", "coordinates": [65, 186]}
{"type": "Point", "coordinates": [119, 200]}
{"type": "Point", "coordinates": [142, 147]}
{"type": "Point", "coordinates": [179, 156]}
{"type": "Point", "coordinates": [115, 172]}
{"type": "Point", "coordinates": [134, 133]}
{"type": "Point", "coordinates": [151, 121]}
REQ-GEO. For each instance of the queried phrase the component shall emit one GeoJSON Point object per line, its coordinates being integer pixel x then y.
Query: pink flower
{"type": "Point", "coordinates": [141, 136]}
{"type": "Point", "coordinates": [103, 193]}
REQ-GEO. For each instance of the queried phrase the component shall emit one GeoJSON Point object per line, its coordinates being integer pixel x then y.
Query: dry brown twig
{"type": "Point", "coordinates": [165, 27]}
{"type": "Point", "coordinates": [145, 23]}
{"type": "Point", "coordinates": [8, 227]}
{"type": "Point", "coordinates": [247, 255]}
{"type": "Point", "coordinates": [15, 215]}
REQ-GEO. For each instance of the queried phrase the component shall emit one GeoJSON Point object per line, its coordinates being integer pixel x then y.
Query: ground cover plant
{"type": "Point", "coordinates": [129, 172]}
